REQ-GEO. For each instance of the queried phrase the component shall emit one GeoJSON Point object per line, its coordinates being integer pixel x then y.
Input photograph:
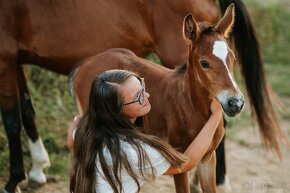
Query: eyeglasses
{"type": "Point", "coordinates": [140, 98]}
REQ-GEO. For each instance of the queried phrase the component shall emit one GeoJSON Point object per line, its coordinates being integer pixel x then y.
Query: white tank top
{"type": "Point", "coordinates": [159, 163]}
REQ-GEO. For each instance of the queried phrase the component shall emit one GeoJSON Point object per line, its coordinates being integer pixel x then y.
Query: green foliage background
{"type": "Point", "coordinates": [55, 108]}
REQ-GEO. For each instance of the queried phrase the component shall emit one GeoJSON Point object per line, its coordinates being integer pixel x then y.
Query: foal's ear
{"type": "Point", "coordinates": [190, 28]}
{"type": "Point", "coordinates": [226, 23]}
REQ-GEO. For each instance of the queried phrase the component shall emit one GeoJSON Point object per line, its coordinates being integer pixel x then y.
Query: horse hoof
{"type": "Point", "coordinates": [24, 183]}
{"type": "Point", "coordinates": [225, 187]}
{"type": "Point", "coordinates": [34, 184]}
{"type": "Point", "coordinates": [195, 189]}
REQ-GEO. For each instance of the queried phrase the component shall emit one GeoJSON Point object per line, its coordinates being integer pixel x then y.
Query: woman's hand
{"type": "Point", "coordinates": [215, 106]}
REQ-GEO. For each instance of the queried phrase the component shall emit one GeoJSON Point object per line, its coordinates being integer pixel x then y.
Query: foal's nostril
{"type": "Point", "coordinates": [231, 102]}
{"type": "Point", "coordinates": [235, 104]}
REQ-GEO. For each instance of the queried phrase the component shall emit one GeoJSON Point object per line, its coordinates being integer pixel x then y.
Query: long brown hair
{"type": "Point", "coordinates": [102, 126]}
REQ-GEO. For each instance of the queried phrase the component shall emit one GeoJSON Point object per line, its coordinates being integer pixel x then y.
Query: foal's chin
{"type": "Point", "coordinates": [231, 113]}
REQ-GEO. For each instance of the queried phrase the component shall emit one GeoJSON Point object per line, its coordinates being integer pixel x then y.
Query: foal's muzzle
{"type": "Point", "coordinates": [233, 106]}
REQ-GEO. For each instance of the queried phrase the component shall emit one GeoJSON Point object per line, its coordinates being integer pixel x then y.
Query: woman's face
{"type": "Point", "coordinates": [131, 91]}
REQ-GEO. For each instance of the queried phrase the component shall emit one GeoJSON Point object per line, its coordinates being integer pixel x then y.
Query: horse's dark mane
{"type": "Point", "coordinates": [207, 30]}
{"type": "Point", "coordinates": [181, 69]}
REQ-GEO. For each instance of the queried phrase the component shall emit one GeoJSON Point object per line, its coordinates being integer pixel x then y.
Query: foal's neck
{"type": "Point", "coordinates": [199, 95]}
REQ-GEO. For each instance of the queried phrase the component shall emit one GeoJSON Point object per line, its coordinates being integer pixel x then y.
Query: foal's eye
{"type": "Point", "coordinates": [204, 64]}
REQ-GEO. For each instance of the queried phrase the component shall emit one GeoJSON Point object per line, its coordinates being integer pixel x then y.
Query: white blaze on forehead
{"type": "Point", "coordinates": [220, 50]}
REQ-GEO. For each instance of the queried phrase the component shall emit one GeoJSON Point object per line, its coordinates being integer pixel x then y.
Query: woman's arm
{"type": "Point", "coordinates": [200, 145]}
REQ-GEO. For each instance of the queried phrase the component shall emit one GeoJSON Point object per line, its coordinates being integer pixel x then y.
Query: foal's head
{"type": "Point", "coordinates": [211, 60]}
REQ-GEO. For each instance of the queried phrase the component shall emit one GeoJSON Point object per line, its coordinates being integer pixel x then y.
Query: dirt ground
{"type": "Point", "coordinates": [250, 168]}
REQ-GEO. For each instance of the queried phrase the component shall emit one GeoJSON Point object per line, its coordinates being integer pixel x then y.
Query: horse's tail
{"type": "Point", "coordinates": [249, 56]}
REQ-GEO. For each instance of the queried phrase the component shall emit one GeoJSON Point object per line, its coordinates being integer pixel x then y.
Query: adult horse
{"type": "Point", "coordinates": [55, 34]}
{"type": "Point", "coordinates": [181, 99]}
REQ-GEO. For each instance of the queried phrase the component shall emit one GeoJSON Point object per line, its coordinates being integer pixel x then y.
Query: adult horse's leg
{"type": "Point", "coordinates": [206, 171]}
{"type": "Point", "coordinates": [222, 180]}
{"type": "Point", "coordinates": [38, 153]}
{"type": "Point", "coordinates": [181, 183]}
{"type": "Point", "coordinates": [12, 124]}
{"type": "Point", "coordinates": [10, 112]}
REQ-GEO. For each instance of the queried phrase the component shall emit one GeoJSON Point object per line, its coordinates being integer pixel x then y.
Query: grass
{"type": "Point", "coordinates": [271, 19]}
{"type": "Point", "coordinates": [55, 108]}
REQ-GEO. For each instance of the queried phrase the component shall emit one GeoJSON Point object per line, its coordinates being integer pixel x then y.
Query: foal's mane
{"type": "Point", "coordinates": [206, 29]}
{"type": "Point", "coordinates": [181, 69]}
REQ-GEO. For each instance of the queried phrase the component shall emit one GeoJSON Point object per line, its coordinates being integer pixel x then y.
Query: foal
{"type": "Point", "coordinates": [180, 98]}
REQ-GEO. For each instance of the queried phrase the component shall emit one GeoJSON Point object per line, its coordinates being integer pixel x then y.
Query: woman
{"type": "Point", "coordinates": [111, 154]}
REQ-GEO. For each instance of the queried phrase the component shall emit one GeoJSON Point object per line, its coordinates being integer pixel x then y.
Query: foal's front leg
{"type": "Point", "coordinates": [206, 171]}
{"type": "Point", "coordinates": [181, 183]}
